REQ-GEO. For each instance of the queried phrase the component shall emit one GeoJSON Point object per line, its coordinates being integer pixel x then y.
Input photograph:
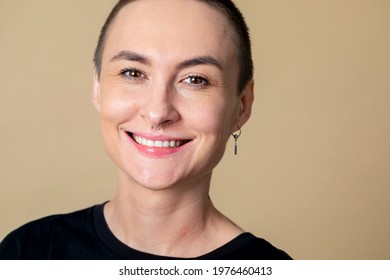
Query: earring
{"type": "Point", "coordinates": [235, 136]}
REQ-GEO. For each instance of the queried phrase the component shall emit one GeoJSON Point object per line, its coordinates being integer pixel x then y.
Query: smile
{"type": "Point", "coordinates": [163, 143]}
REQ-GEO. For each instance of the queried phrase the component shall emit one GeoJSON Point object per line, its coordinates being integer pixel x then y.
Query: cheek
{"type": "Point", "coordinates": [213, 118]}
{"type": "Point", "coordinates": [219, 109]}
{"type": "Point", "coordinates": [115, 111]}
{"type": "Point", "coordinates": [117, 108]}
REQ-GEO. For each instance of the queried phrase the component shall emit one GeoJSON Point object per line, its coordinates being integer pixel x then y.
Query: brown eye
{"type": "Point", "coordinates": [196, 81]}
{"type": "Point", "coordinates": [132, 73]}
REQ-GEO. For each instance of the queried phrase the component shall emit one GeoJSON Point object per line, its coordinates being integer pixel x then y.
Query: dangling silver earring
{"type": "Point", "coordinates": [235, 136]}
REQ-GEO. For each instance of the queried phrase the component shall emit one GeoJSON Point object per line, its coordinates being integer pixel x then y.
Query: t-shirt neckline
{"type": "Point", "coordinates": [126, 252]}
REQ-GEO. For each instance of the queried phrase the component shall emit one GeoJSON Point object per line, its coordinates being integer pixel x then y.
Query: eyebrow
{"type": "Point", "coordinates": [131, 56]}
{"type": "Point", "coordinates": [199, 60]}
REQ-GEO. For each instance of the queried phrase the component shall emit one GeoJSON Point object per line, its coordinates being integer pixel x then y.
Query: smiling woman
{"type": "Point", "coordinates": [172, 83]}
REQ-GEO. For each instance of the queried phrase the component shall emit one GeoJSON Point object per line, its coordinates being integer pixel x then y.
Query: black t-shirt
{"type": "Point", "coordinates": [84, 235]}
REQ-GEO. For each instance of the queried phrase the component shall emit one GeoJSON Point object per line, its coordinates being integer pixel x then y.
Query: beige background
{"type": "Point", "coordinates": [312, 175]}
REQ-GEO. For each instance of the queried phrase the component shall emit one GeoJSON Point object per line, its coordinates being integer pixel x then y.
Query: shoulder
{"type": "Point", "coordinates": [251, 247]}
{"type": "Point", "coordinates": [34, 240]}
{"type": "Point", "coordinates": [265, 250]}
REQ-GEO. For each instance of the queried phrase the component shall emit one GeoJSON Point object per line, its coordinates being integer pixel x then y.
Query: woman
{"type": "Point", "coordinates": [172, 83]}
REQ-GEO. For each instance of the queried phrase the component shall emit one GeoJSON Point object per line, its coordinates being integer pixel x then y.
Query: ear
{"type": "Point", "coordinates": [245, 105]}
{"type": "Point", "coordinates": [96, 95]}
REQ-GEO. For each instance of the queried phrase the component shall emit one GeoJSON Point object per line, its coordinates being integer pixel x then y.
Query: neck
{"type": "Point", "coordinates": [179, 221]}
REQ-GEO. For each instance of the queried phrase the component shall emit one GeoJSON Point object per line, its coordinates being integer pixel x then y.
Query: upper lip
{"type": "Point", "coordinates": [155, 137]}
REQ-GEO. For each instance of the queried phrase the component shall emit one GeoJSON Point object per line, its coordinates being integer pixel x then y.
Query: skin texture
{"type": "Point", "coordinates": [174, 65]}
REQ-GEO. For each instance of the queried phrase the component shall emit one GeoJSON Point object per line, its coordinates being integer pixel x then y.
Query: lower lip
{"type": "Point", "coordinates": [155, 151]}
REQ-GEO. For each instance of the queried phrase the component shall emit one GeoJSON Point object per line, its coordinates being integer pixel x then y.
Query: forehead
{"type": "Point", "coordinates": [172, 28]}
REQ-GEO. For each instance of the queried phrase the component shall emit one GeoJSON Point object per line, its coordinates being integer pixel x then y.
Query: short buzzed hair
{"type": "Point", "coordinates": [235, 18]}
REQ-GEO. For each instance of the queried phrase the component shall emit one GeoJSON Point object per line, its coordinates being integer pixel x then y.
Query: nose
{"type": "Point", "coordinates": [158, 108]}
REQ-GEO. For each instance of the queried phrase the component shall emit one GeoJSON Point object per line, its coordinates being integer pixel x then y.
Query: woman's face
{"type": "Point", "coordinates": [174, 65]}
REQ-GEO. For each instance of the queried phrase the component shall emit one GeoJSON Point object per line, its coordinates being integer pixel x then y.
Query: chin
{"type": "Point", "coordinates": [152, 179]}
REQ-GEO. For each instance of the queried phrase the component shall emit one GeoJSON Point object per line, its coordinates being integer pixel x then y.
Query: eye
{"type": "Point", "coordinates": [132, 73]}
{"type": "Point", "coordinates": [196, 81]}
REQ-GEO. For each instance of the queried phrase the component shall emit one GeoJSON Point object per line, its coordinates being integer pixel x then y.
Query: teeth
{"type": "Point", "coordinates": [149, 143]}
{"type": "Point", "coordinates": [158, 143]}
